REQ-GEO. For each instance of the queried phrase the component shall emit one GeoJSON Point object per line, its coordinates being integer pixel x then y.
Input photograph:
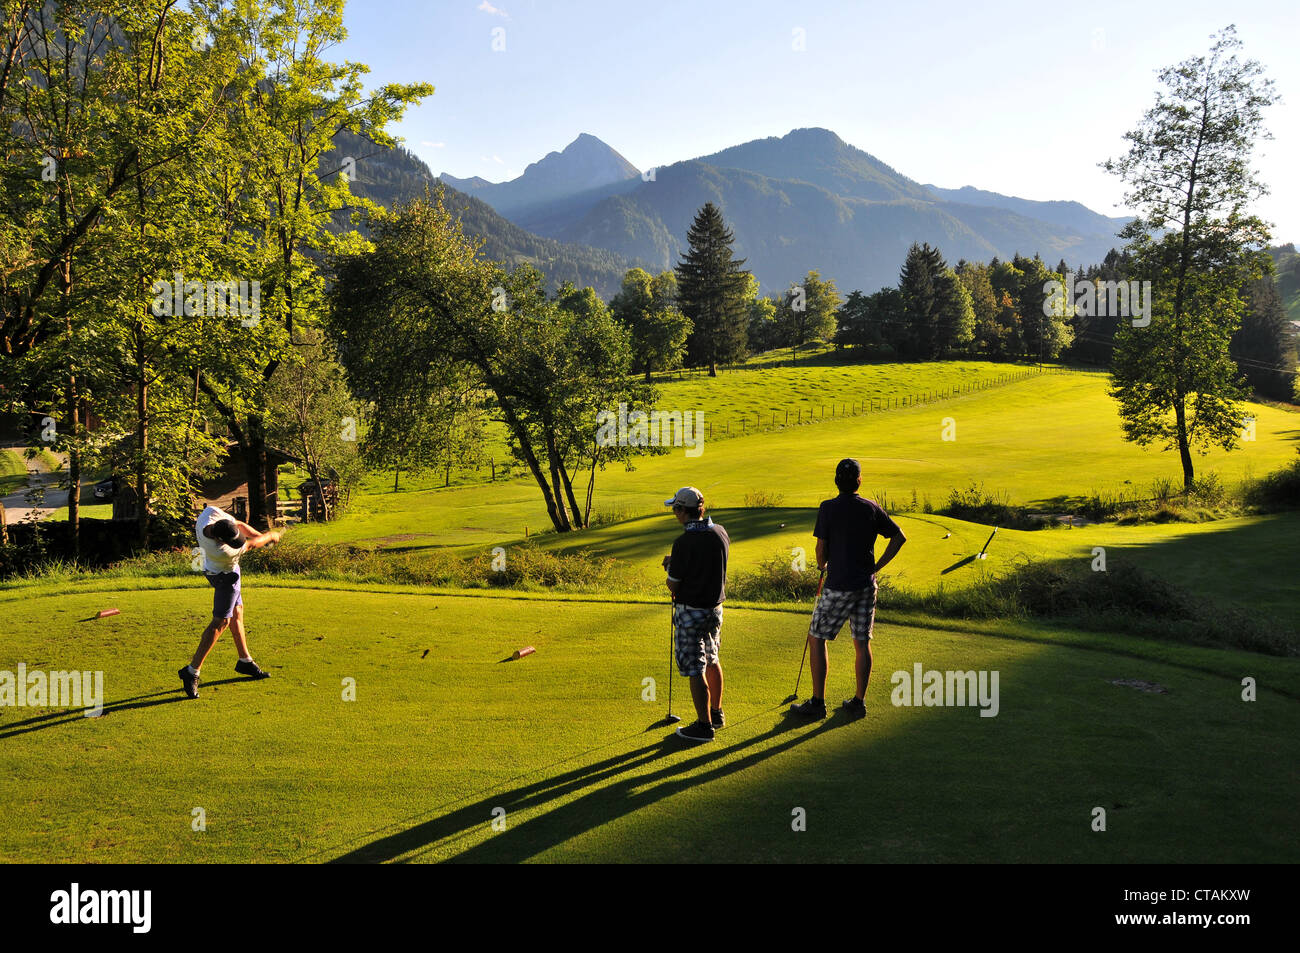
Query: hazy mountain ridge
{"type": "Point", "coordinates": [1068, 214]}
{"type": "Point", "coordinates": [810, 200]}
{"type": "Point", "coordinates": [390, 176]}
{"type": "Point", "coordinates": [585, 164]}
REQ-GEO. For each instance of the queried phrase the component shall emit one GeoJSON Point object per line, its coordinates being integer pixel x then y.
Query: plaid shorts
{"type": "Point", "coordinates": [855, 606]}
{"type": "Point", "coordinates": [696, 636]}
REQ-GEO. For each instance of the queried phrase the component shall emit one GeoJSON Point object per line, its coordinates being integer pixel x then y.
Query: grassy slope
{"type": "Point", "coordinates": [286, 770]}
{"type": "Point", "coordinates": [13, 472]}
{"type": "Point", "coordinates": [1233, 561]}
{"type": "Point", "coordinates": [1037, 441]}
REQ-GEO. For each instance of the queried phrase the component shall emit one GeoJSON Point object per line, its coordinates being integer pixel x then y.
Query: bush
{"type": "Point", "coordinates": [525, 567]}
{"type": "Point", "coordinates": [774, 580]}
{"type": "Point", "coordinates": [1280, 490]}
{"type": "Point", "coordinates": [977, 505]}
{"type": "Point", "coordinates": [1125, 599]}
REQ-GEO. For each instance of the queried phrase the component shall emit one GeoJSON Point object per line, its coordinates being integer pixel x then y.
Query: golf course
{"type": "Point", "coordinates": [397, 727]}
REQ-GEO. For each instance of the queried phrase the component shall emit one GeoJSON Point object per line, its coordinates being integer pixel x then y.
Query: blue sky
{"type": "Point", "coordinates": [1018, 98]}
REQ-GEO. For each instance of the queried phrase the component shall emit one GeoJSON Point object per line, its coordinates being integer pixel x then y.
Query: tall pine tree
{"type": "Point", "coordinates": [711, 291]}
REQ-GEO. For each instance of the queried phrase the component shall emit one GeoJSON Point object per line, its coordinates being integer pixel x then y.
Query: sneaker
{"type": "Point", "coordinates": [696, 731]}
{"type": "Point", "coordinates": [250, 669]}
{"type": "Point", "coordinates": [189, 681]}
{"type": "Point", "coordinates": [812, 708]}
{"type": "Point", "coordinates": [718, 718]}
{"type": "Point", "coordinates": [855, 706]}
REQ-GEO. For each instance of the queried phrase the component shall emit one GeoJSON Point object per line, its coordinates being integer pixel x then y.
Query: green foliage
{"type": "Point", "coordinates": [713, 292]}
{"type": "Point", "coordinates": [1264, 347]}
{"type": "Point", "coordinates": [806, 313]}
{"type": "Point", "coordinates": [1189, 173]}
{"type": "Point", "coordinates": [422, 308]}
{"type": "Point", "coordinates": [647, 307]}
{"type": "Point", "coordinates": [936, 307]}
{"type": "Point", "coordinates": [978, 505]}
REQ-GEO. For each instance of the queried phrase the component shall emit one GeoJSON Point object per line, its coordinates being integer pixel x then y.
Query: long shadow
{"type": "Point", "coordinates": [630, 794]}
{"type": "Point", "coordinates": [608, 784]}
{"type": "Point", "coordinates": [66, 716]}
{"type": "Point", "coordinates": [967, 560]}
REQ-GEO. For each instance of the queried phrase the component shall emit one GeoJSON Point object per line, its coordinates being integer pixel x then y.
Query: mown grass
{"type": "Point", "coordinates": [1048, 444]}
{"type": "Point", "coordinates": [442, 732]}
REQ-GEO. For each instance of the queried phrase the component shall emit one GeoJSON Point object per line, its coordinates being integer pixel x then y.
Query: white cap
{"type": "Point", "coordinates": [687, 496]}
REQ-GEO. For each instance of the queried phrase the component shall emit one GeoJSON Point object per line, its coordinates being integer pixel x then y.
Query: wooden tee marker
{"type": "Point", "coordinates": [526, 650]}
{"type": "Point", "coordinates": [105, 613]}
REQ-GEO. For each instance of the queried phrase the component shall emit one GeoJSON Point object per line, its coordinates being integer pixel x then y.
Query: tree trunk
{"type": "Point", "coordinates": [591, 487]}
{"type": "Point", "coordinates": [142, 447]}
{"type": "Point", "coordinates": [573, 500]}
{"type": "Point", "coordinates": [713, 369]}
{"type": "Point", "coordinates": [553, 460]}
{"type": "Point", "coordinates": [1184, 449]}
{"type": "Point", "coordinates": [530, 458]}
{"type": "Point", "coordinates": [74, 457]}
{"type": "Point", "coordinates": [255, 469]}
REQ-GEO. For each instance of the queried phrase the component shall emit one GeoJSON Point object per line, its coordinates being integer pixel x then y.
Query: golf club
{"type": "Point", "coordinates": [805, 641]}
{"type": "Point", "coordinates": [672, 618]}
{"type": "Point", "coordinates": [986, 544]}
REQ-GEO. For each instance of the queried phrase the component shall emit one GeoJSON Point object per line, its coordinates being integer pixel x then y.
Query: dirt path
{"type": "Point", "coordinates": [18, 505]}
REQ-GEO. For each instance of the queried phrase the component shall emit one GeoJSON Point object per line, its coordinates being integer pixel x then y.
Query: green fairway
{"type": "Point", "coordinates": [1043, 442]}
{"type": "Point", "coordinates": [286, 770]}
{"type": "Point", "coordinates": [1229, 560]}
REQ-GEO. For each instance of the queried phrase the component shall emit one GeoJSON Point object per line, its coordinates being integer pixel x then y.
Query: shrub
{"type": "Point", "coordinates": [774, 580]}
{"type": "Point", "coordinates": [977, 505]}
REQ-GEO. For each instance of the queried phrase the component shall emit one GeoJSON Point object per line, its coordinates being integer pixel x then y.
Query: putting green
{"type": "Point", "coordinates": [442, 732]}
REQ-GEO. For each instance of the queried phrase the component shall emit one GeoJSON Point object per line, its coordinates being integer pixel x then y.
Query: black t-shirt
{"type": "Point", "coordinates": [850, 524]}
{"type": "Point", "coordinates": [699, 564]}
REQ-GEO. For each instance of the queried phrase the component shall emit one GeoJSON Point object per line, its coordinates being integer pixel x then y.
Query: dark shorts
{"type": "Point", "coordinates": [697, 634]}
{"type": "Point", "coordinates": [227, 594]}
{"type": "Point", "coordinates": [855, 606]}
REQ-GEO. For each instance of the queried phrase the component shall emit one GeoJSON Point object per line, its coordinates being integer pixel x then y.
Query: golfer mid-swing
{"type": "Point", "coordinates": [697, 578]}
{"type": "Point", "coordinates": [846, 532]}
{"type": "Point", "coordinates": [223, 540]}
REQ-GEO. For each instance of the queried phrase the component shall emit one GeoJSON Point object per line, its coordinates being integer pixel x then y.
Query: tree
{"type": "Point", "coordinates": [806, 313]}
{"type": "Point", "coordinates": [647, 307]}
{"type": "Point", "coordinates": [989, 337]}
{"type": "Point", "coordinates": [95, 109]}
{"type": "Point", "coordinates": [936, 306]}
{"type": "Point", "coordinates": [1045, 317]}
{"type": "Point", "coordinates": [1189, 172]}
{"type": "Point", "coordinates": [421, 305]}
{"type": "Point", "coordinates": [712, 290]}
{"type": "Point", "coordinates": [319, 421]}
{"type": "Point", "coordinates": [1264, 347]}
{"type": "Point", "coordinates": [764, 330]}
{"type": "Point", "coordinates": [283, 189]}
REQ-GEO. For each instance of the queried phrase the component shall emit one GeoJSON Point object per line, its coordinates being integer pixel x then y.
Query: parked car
{"type": "Point", "coordinates": [105, 489]}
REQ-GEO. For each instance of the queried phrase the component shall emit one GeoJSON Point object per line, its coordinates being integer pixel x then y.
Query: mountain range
{"type": "Point", "coordinates": [803, 201]}
{"type": "Point", "coordinates": [806, 200]}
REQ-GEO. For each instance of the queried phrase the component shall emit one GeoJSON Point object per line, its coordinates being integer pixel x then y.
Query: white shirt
{"type": "Point", "coordinates": [217, 556]}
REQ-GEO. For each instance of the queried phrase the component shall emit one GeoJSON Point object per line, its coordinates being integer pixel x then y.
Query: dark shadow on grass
{"type": "Point", "coordinates": [608, 787]}
{"type": "Point", "coordinates": [958, 564]}
{"type": "Point", "coordinates": [66, 716]}
{"type": "Point", "coordinates": [627, 794]}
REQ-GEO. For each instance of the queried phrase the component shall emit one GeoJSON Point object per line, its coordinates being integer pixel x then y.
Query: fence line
{"type": "Point", "coordinates": [779, 420]}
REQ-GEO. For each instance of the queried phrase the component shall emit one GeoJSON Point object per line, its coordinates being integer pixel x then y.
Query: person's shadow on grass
{"type": "Point", "coordinates": [613, 789]}
{"type": "Point", "coordinates": [69, 716]}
